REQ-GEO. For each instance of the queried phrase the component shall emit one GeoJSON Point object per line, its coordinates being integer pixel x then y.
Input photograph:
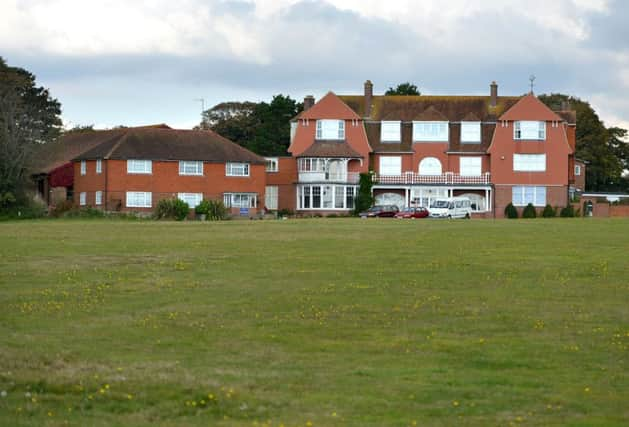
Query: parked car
{"type": "Point", "coordinates": [412, 213]}
{"type": "Point", "coordinates": [453, 207]}
{"type": "Point", "coordinates": [380, 211]}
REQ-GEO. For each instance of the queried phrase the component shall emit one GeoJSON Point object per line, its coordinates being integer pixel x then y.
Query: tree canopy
{"type": "Point", "coordinates": [403, 89]}
{"type": "Point", "coordinates": [263, 128]}
{"type": "Point", "coordinates": [603, 148]}
{"type": "Point", "coordinates": [29, 116]}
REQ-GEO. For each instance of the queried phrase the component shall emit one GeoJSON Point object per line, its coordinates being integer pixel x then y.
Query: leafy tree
{"type": "Point", "coordinates": [29, 116]}
{"type": "Point", "coordinates": [403, 89]}
{"type": "Point", "coordinates": [263, 128]}
{"type": "Point", "coordinates": [603, 148]}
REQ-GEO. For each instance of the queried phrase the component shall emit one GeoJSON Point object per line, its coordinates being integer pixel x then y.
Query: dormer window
{"type": "Point", "coordinates": [430, 131]}
{"type": "Point", "coordinates": [470, 132]}
{"type": "Point", "coordinates": [529, 131]}
{"type": "Point", "coordinates": [331, 129]}
{"type": "Point", "coordinates": [390, 131]}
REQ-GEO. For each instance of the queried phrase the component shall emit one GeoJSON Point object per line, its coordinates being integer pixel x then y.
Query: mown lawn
{"type": "Point", "coordinates": [337, 322]}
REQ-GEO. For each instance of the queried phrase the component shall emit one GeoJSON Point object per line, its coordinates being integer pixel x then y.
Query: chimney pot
{"type": "Point", "coordinates": [368, 97]}
{"type": "Point", "coordinates": [309, 101]}
{"type": "Point", "coordinates": [493, 94]}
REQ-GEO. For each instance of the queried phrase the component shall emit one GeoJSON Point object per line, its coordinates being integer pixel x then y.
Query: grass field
{"type": "Point", "coordinates": [338, 322]}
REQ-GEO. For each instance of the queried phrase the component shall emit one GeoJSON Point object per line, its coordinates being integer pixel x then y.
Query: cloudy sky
{"type": "Point", "coordinates": [115, 62]}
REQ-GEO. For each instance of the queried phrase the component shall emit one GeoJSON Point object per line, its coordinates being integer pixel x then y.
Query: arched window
{"type": "Point", "coordinates": [430, 166]}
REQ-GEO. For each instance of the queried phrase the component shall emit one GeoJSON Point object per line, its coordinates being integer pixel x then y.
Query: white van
{"type": "Point", "coordinates": [453, 207]}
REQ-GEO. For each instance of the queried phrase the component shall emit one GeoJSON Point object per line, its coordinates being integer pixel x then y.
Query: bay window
{"type": "Point", "coordinates": [529, 162]}
{"type": "Point", "coordinates": [139, 166]}
{"type": "Point", "coordinates": [523, 195]}
{"type": "Point", "coordinates": [237, 169]}
{"type": "Point", "coordinates": [430, 131]}
{"type": "Point", "coordinates": [390, 131]}
{"type": "Point", "coordinates": [330, 129]}
{"type": "Point", "coordinates": [529, 130]}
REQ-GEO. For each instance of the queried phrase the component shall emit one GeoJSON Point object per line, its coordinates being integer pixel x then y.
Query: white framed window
{"type": "Point", "coordinates": [190, 167]}
{"type": "Point", "coordinates": [577, 170]}
{"type": "Point", "coordinates": [272, 164]}
{"type": "Point", "coordinates": [529, 131]}
{"type": "Point", "coordinates": [99, 166]}
{"type": "Point", "coordinates": [523, 195]}
{"type": "Point", "coordinates": [470, 132]}
{"type": "Point", "coordinates": [240, 200]}
{"type": "Point", "coordinates": [430, 166]}
{"type": "Point", "coordinates": [326, 197]}
{"type": "Point", "coordinates": [83, 167]}
{"type": "Point", "coordinates": [192, 199]}
{"type": "Point", "coordinates": [82, 198]}
{"type": "Point", "coordinates": [391, 165]}
{"type": "Point", "coordinates": [98, 200]}
{"type": "Point", "coordinates": [139, 199]}
{"type": "Point", "coordinates": [391, 131]}
{"type": "Point", "coordinates": [311, 164]}
{"type": "Point", "coordinates": [271, 197]}
{"type": "Point", "coordinates": [330, 129]}
{"type": "Point", "coordinates": [140, 166]}
{"type": "Point", "coordinates": [236, 169]}
{"type": "Point", "coordinates": [470, 166]}
{"type": "Point", "coordinates": [529, 162]}
{"type": "Point", "coordinates": [430, 131]}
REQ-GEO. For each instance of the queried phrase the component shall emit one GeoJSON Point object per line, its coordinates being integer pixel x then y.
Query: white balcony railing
{"type": "Point", "coordinates": [445, 178]}
{"type": "Point", "coordinates": [345, 177]}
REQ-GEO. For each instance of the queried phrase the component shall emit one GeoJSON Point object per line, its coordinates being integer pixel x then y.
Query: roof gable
{"type": "Point", "coordinates": [329, 107]}
{"type": "Point", "coordinates": [530, 108]}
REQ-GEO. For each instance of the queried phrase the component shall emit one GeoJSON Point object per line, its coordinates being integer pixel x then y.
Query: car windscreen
{"type": "Point", "coordinates": [439, 204]}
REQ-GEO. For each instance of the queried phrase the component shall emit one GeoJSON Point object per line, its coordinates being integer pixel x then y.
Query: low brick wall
{"type": "Point", "coordinates": [619, 210]}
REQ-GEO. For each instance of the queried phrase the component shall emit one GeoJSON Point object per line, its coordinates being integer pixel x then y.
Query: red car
{"type": "Point", "coordinates": [412, 213]}
{"type": "Point", "coordinates": [380, 211]}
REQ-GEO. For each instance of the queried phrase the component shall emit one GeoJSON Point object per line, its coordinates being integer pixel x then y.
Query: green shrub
{"type": "Point", "coordinates": [529, 211]}
{"type": "Point", "coordinates": [172, 209]}
{"type": "Point", "coordinates": [216, 210]}
{"type": "Point", "coordinates": [284, 212]}
{"type": "Point", "coordinates": [549, 212]}
{"type": "Point", "coordinates": [567, 212]}
{"type": "Point", "coordinates": [511, 212]}
{"type": "Point", "coordinates": [86, 212]}
{"type": "Point", "coordinates": [203, 208]}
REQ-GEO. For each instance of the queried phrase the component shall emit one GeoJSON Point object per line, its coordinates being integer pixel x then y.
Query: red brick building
{"type": "Point", "coordinates": [131, 169]}
{"type": "Point", "coordinates": [492, 149]}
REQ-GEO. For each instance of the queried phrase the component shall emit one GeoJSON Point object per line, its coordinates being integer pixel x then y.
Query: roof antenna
{"type": "Point", "coordinates": [202, 100]}
{"type": "Point", "coordinates": [532, 79]}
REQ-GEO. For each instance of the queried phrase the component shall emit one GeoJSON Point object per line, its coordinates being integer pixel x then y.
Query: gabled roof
{"type": "Point", "coordinates": [329, 107]}
{"type": "Point", "coordinates": [330, 149]}
{"type": "Point", "coordinates": [408, 108]}
{"type": "Point", "coordinates": [530, 108]}
{"type": "Point", "coordinates": [153, 143]}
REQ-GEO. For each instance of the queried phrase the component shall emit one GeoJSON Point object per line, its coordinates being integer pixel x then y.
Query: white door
{"type": "Point", "coordinates": [270, 197]}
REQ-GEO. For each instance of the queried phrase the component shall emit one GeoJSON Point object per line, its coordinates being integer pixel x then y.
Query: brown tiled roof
{"type": "Point", "coordinates": [55, 154]}
{"type": "Point", "coordinates": [452, 108]}
{"type": "Point", "coordinates": [166, 144]}
{"type": "Point", "coordinates": [486, 134]}
{"type": "Point", "coordinates": [330, 149]}
{"type": "Point", "coordinates": [373, 135]}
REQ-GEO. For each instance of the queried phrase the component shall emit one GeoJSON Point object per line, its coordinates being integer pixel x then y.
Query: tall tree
{"type": "Point", "coordinates": [403, 89]}
{"type": "Point", "coordinates": [29, 116]}
{"type": "Point", "coordinates": [263, 128]}
{"type": "Point", "coordinates": [603, 148]}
